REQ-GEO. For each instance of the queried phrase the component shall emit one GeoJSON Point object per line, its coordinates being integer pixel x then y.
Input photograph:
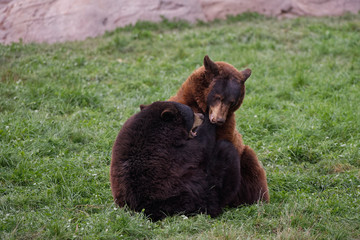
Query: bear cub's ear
{"type": "Point", "coordinates": [246, 74]}
{"type": "Point", "coordinates": [143, 106]}
{"type": "Point", "coordinates": [168, 115]}
{"type": "Point", "coordinates": [210, 66]}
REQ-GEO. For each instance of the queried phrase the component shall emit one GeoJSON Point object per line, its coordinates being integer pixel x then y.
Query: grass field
{"type": "Point", "coordinates": [62, 105]}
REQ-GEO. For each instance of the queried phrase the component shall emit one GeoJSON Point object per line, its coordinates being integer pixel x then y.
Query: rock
{"type": "Point", "coordinates": [66, 20]}
{"type": "Point", "coordinates": [3, 3]}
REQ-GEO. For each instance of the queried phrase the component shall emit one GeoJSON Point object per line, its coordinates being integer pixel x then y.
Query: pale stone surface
{"type": "Point", "coordinates": [62, 20]}
{"type": "Point", "coordinates": [67, 20]}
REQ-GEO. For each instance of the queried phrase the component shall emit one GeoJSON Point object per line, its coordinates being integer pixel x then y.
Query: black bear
{"type": "Point", "coordinates": [161, 167]}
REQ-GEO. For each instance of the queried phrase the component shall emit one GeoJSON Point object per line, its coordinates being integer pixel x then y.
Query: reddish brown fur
{"type": "Point", "coordinates": [194, 93]}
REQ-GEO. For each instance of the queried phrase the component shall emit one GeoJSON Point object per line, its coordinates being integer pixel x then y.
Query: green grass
{"type": "Point", "coordinates": [62, 105]}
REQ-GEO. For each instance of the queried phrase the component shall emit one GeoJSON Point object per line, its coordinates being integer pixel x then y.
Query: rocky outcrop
{"type": "Point", "coordinates": [66, 20]}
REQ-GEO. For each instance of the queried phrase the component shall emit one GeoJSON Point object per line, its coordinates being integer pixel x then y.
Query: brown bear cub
{"type": "Point", "coordinates": [219, 89]}
{"type": "Point", "coordinates": [158, 165]}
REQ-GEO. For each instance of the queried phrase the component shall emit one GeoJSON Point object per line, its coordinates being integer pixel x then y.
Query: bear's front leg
{"type": "Point", "coordinates": [224, 172]}
{"type": "Point", "coordinates": [253, 184]}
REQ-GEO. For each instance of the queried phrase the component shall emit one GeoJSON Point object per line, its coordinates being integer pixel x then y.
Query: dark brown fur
{"type": "Point", "coordinates": [198, 93]}
{"type": "Point", "coordinates": [157, 168]}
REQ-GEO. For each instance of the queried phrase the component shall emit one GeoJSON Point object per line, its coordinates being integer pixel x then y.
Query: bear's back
{"type": "Point", "coordinates": [148, 164]}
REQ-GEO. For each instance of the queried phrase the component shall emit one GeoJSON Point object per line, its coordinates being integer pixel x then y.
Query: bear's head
{"type": "Point", "coordinates": [226, 89]}
{"type": "Point", "coordinates": [172, 116]}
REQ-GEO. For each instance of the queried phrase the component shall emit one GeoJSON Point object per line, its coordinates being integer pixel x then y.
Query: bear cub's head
{"type": "Point", "coordinates": [174, 114]}
{"type": "Point", "coordinates": [226, 89]}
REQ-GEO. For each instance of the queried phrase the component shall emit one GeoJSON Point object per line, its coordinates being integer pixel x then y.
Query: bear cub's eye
{"type": "Point", "coordinates": [217, 98]}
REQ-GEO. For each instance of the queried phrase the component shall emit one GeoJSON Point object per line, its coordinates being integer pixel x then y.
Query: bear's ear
{"type": "Point", "coordinates": [143, 106]}
{"type": "Point", "coordinates": [210, 66]}
{"type": "Point", "coordinates": [246, 74]}
{"type": "Point", "coordinates": [167, 115]}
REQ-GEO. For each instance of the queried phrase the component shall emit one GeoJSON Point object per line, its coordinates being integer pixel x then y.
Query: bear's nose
{"type": "Point", "coordinates": [212, 119]}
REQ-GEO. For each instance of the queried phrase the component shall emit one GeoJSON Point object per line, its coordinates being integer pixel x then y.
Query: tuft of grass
{"type": "Point", "coordinates": [62, 105]}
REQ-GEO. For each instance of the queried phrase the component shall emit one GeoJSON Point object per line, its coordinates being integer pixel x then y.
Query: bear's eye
{"type": "Point", "coordinates": [217, 98]}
